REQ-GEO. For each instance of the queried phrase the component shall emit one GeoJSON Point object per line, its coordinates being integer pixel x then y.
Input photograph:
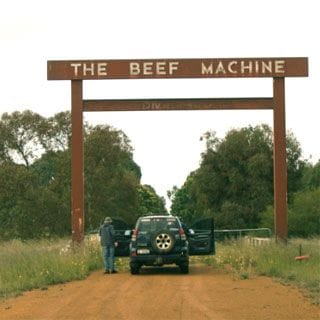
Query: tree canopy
{"type": "Point", "coordinates": [35, 173]}
{"type": "Point", "coordinates": [234, 182]}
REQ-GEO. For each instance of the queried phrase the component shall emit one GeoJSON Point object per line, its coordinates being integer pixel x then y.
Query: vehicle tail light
{"type": "Point", "coordinates": [182, 234]}
{"type": "Point", "coordinates": [134, 235]}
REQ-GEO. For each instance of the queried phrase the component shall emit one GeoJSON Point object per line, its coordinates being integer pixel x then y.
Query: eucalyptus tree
{"type": "Point", "coordinates": [234, 182]}
{"type": "Point", "coordinates": [21, 135]}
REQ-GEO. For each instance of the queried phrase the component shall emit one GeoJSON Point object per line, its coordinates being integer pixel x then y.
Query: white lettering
{"type": "Point", "coordinates": [147, 68]}
{"type": "Point", "coordinates": [153, 68]}
{"type": "Point", "coordinates": [173, 66]}
{"type": "Point", "coordinates": [233, 67]}
{"type": "Point", "coordinates": [89, 68]}
{"type": "Point", "coordinates": [102, 69]}
{"type": "Point", "coordinates": [279, 66]}
{"type": "Point", "coordinates": [266, 66]}
{"type": "Point", "coordinates": [134, 68]}
{"type": "Point", "coordinates": [206, 70]}
{"type": "Point", "coordinates": [246, 67]}
{"type": "Point", "coordinates": [220, 68]}
{"type": "Point", "coordinates": [230, 65]}
{"type": "Point", "coordinates": [161, 68]}
{"type": "Point", "coordinates": [75, 67]}
{"type": "Point", "coordinates": [257, 66]}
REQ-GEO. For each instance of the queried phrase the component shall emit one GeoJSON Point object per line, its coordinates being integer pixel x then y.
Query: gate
{"type": "Point", "coordinates": [276, 68]}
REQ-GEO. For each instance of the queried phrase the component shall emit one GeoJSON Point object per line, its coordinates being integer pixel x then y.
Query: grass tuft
{"type": "Point", "coordinates": [37, 264]}
{"type": "Point", "coordinates": [274, 260]}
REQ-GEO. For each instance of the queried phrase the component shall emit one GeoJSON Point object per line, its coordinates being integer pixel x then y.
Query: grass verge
{"type": "Point", "coordinates": [37, 264]}
{"type": "Point", "coordinates": [273, 260]}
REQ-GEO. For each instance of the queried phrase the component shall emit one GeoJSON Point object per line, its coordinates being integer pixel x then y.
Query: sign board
{"type": "Point", "coordinates": [177, 68]}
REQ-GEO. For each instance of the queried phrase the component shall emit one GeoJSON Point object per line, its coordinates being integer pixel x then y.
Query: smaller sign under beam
{"type": "Point", "coordinates": [177, 104]}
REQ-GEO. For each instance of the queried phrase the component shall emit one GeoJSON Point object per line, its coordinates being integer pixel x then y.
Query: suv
{"type": "Point", "coordinates": [162, 239]}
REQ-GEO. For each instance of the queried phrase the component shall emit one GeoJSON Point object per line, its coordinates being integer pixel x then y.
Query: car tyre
{"type": "Point", "coordinates": [135, 268]}
{"type": "Point", "coordinates": [163, 241]}
{"type": "Point", "coordinates": [184, 268]}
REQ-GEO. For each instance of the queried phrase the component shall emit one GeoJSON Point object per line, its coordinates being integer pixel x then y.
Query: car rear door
{"type": "Point", "coordinates": [122, 236]}
{"type": "Point", "coordinates": [201, 240]}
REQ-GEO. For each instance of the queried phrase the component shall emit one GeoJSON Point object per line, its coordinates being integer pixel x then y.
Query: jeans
{"type": "Point", "coordinates": [108, 257]}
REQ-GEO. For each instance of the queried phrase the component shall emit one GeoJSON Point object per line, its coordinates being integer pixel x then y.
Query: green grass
{"type": "Point", "coordinates": [37, 264]}
{"type": "Point", "coordinates": [273, 260]}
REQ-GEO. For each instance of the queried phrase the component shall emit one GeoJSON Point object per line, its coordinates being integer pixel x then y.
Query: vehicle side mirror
{"type": "Point", "coordinates": [128, 233]}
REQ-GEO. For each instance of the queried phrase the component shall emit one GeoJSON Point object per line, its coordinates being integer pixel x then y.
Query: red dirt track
{"type": "Point", "coordinates": [163, 293]}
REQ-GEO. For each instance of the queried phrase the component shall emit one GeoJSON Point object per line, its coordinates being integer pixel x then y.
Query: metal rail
{"type": "Point", "coordinates": [241, 232]}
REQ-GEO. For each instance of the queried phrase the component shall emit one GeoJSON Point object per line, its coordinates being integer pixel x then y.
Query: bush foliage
{"type": "Point", "coordinates": [234, 184]}
{"type": "Point", "coordinates": [35, 174]}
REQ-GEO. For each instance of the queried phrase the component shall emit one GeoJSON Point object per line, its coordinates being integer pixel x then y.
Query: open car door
{"type": "Point", "coordinates": [201, 237]}
{"type": "Point", "coordinates": [122, 236]}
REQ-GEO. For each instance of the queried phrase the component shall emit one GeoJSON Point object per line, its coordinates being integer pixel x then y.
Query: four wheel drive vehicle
{"type": "Point", "coordinates": [159, 240]}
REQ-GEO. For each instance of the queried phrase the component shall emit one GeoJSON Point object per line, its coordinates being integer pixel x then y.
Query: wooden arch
{"type": "Point", "coordinates": [276, 68]}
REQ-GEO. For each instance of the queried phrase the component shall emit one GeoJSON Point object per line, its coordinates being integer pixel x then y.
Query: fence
{"type": "Point", "coordinates": [257, 233]}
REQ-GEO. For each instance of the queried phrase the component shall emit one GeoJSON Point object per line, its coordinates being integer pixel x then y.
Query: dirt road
{"type": "Point", "coordinates": [163, 293]}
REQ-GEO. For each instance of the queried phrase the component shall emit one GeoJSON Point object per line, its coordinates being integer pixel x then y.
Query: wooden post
{"type": "Point", "coordinates": [77, 183]}
{"type": "Point", "coordinates": [280, 162]}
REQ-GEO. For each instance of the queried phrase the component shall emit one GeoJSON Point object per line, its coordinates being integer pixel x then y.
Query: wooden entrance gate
{"type": "Point", "coordinates": [276, 68]}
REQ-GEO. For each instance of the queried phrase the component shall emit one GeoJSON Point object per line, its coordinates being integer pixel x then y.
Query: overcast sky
{"type": "Point", "coordinates": [167, 145]}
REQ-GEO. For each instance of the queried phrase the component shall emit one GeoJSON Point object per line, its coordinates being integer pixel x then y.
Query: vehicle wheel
{"type": "Point", "coordinates": [163, 241]}
{"type": "Point", "coordinates": [184, 268]}
{"type": "Point", "coordinates": [135, 268]}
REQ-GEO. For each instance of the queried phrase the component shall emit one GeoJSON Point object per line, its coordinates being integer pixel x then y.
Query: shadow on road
{"type": "Point", "coordinates": [172, 270]}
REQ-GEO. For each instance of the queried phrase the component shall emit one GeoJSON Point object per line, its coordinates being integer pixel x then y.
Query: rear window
{"type": "Point", "coordinates": [156, 224]}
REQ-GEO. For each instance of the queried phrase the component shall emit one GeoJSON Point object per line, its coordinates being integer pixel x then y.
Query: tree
{"type": "Point", "coordinates": [53, 171]}
{"type": "Point", "coordinates": [35, 173]}
{"type": "Point", "coordinates": [304, 214]}
{"type": "Point", "coordinates": [150, 202]}
{"type": "Point", "coordinates": [295, 166]}
{"type": "Point", "coordinates": [58, 132]}
{"type": "Point", "coordinates": [232, 216]}
{"type": "Point", "coordinates": [267, 218]}
{"type": "Point", "coordinates": [111, 177]}
{"type": "Point", "coordinates": [237, 173]}
{"type": "Point", "coordinates": [234, 182]}
{"type": "Point", "coordinates": [311, 176]}
{"type": "Point", "coordinates": [21, 136]}
{"type": "Point", "coordinates": [19, 202]}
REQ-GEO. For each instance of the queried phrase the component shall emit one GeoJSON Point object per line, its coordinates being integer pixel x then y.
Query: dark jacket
{"type": "Point", "coordinates": [107, 234]}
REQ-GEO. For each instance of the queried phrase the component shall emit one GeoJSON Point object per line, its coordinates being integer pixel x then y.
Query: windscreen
{"type": "Point", "coordinates": [157, 224]}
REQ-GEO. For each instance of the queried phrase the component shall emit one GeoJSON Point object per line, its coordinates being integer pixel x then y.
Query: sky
{"type": "Point", "coordinates": [166, 144]}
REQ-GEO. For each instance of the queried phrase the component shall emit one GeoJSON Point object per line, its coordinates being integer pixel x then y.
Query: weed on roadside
{"type": "Point", "coordinates": [273, 260]}
{"type": "Point", "coordinates": [37, 264]}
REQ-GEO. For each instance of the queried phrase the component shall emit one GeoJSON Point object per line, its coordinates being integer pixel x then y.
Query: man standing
{"type": "Point", "coordinates": [108, 245]}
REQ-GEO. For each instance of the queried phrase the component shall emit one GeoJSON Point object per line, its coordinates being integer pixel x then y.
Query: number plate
{"type": "Point", "coordinates": [143, 251]}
